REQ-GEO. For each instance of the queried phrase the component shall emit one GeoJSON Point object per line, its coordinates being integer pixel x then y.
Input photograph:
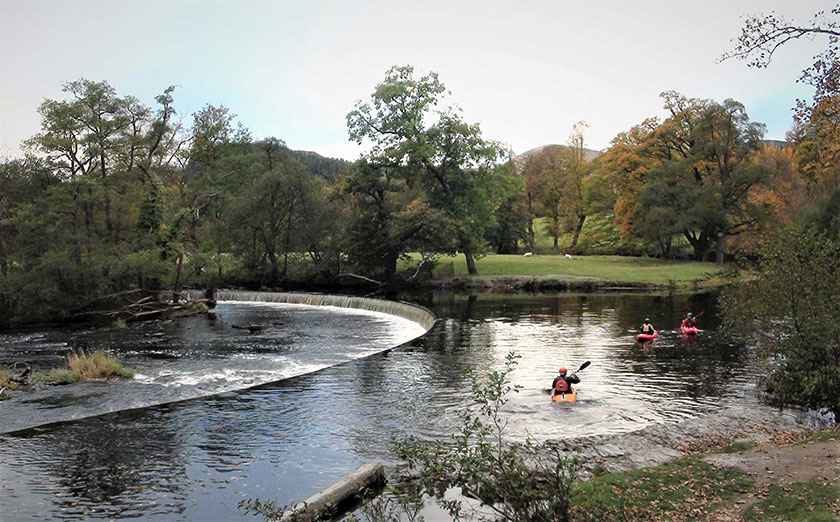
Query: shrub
{"type": "Point", "coordinates": [791, 310]}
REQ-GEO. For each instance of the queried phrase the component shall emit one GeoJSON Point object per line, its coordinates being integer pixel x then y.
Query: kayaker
{"type": "Point", "coordinates": [563, 383]}
{"type": "Point", "coordinates": [689, 321]}
{"type": "Point", "coordinates": [647, 328]}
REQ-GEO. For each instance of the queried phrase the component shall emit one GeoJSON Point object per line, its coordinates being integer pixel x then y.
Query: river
{"type": "Point", "coordinates": [337, 396]}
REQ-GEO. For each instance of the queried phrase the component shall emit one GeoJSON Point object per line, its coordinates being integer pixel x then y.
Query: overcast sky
{"type": "Point", "coordinates": [525, 70]}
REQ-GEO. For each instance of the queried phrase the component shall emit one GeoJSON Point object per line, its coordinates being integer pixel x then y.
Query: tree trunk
{"type": "Point", "coordinates": [721, 244]}
{"type": "Point", "coordinates": [464, 243]}
{"type": "Point", "coordinates": [531, 233]}
{"type": "Point", "coordinates": [176, 293]}
{"type": "Point", "coordinates": [581, 219]}
{"type": "Point", "coordinates": [392, 255]}
{"type": "Point", "coordinates": [700, 244]}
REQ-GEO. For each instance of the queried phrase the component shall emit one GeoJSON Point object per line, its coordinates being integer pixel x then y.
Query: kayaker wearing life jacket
{"type": "Point", "coordinates": [647, 328]}
{"type": "Point", "coordinates": [563, 383]}
{"type": "Point", "coordinates": [689, 321]}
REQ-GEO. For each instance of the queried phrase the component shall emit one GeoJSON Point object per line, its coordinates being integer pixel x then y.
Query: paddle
{"type": "Point", "coordinates": [582, 367]}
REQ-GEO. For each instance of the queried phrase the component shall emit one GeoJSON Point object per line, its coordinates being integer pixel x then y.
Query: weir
{"type": "Point", "coordinates": [412, 312]}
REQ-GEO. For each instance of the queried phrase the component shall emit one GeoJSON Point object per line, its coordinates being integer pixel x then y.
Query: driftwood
{"type": "Point", "coordinates": [147, 307]}
{"type": "Point", "coordinates": [23, 376]}
{"type": "Point", "coordinates": [363, 278]}
{"type": "Point", "coordinates": [329, 502]}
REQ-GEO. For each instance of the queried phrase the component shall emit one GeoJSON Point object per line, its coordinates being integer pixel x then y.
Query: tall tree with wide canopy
{"type": "Point", "coordinates": [433, 148]}
{"type": "Point", "coordinates": [705, 151]}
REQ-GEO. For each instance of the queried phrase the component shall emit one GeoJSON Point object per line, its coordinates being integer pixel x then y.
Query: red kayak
{"type": "Point", "coordinates": [642, 337]}
{"type": "Point", "coordinates": [689, 330]}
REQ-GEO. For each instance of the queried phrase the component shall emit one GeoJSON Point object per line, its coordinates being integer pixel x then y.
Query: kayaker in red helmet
{"type": "Point", "coordinates": [563, 383]}
{"type": "Point", "coordinates": [689, 322]}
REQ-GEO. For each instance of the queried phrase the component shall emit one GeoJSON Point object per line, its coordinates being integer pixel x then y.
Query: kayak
{"type": "Point", "coordinates": [647, 337]}
{"type": "Point", "coordinates": [566, 397]}
{"type": "Point", "coordinates": [689, 330]}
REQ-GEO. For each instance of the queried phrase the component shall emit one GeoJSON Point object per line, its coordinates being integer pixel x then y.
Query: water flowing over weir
{"type": "Point", "coordinates": [295, 334]}
{"type": "Point", "coordinates": [408, 311]}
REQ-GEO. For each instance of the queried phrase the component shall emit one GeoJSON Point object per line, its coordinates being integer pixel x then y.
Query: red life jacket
{"type": "Point", "coordinates": [562, 386]}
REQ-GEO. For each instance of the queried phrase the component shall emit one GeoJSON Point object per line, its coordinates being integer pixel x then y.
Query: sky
{"type": "Point", "coordinates": [526, 71]}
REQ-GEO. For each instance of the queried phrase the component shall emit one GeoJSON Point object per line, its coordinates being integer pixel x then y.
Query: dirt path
{"type": "Point", "coordinates": [785, 464]}
{"type": "Point", "coordinates": [780, 465]}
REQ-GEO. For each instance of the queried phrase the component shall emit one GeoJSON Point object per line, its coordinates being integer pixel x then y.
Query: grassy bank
{"type": "Point", "coordinates": [741, 481]}
{"type": "Point", "coordinates": [610, 268]}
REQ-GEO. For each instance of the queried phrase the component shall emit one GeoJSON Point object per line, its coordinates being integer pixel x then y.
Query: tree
{"type": "Point", "coordinates": [709, 149]}
{"type": "Point", "coordinates": [511, 226]}
{"type": "Point", "coordinates": [577, 169]}
{"type": "Point", "coordinates": [434, 149]}
{"type": "Point", "coordinates": [791, 309]}
{"type": "Point", "coordinates": [817, 131]}
{"type": "Point", "coordinates": [390, 218]}
{"type": "Point", "coordinates": [271, 211]}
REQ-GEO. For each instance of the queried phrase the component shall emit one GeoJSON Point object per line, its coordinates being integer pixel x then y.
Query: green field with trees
{"type": "Point", "coordinates": [115, 200]}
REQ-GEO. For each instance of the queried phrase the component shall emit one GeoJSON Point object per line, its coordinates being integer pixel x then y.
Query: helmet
{"type": "Point", "coordinates": [647, 319]}
{"type": "Point", "coordinates": [562, 371]}
{"type": "Point", "coordinates": [689, 314]}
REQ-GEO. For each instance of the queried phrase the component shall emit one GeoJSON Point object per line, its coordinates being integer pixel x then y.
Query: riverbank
{"type": "Point", "coordinates": [512, 273]}
{"type": "Point", "coordinates": [783, 475]}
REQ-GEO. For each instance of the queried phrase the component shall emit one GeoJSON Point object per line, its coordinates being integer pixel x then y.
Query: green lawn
{"type": "Point", "coordinates": [613, 268]}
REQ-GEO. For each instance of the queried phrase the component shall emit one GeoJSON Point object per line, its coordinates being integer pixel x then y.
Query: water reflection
{"type": "Point", "coordinates": [195, 460]}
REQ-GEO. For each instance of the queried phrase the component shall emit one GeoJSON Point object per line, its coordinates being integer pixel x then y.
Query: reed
{"type": "Point", "coordinates": [96, 366]}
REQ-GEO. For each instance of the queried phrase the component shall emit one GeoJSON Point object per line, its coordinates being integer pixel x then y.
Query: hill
{"type": "Point", "coordinates": [521, 159]}
{"type": "Point", "coordinates": [331, 169]}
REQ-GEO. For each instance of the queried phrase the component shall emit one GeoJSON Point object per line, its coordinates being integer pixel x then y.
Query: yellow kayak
{"type": "Point", "coordinates": [566, 397]}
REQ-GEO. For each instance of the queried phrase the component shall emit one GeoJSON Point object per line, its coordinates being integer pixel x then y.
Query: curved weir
{"type": "Point", "coordinates": [256, 338]}
{"type": "Point", "coordinates": [412, 312]}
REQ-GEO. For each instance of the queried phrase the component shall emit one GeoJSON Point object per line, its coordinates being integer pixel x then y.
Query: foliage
{"type": "Point", "coordinates": [691, 174]}
{"type": "Point", "coordinates": [792, 309]}
{"type": "Point", "coordinates": [817, 133]}
{"type": "Point", "coordinates": [59, 376]}
{"type": "Point", "coordinates": [433, 149]}
{"type": "Point", "coordinates": [510, 226]}
{"type": "Point", "coordinates": [824, 216]}
{"type": "Point", "coordinates": [516, 481]}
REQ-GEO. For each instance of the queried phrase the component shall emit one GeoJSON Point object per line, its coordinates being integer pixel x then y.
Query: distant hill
{"type": "Point", "coordinates": [776, 143]}
{"type": "Point", "coordinates": [331, 169]}
{"type": "Point", "coordinates": [521, 159]}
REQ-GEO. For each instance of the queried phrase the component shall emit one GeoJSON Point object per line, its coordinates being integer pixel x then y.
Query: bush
{"type": "Point", "coordinates": [792, 311]}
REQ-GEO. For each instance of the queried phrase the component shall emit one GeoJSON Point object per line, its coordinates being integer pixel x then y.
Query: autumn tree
{"type": "Point", "coordinates": [433, 148]}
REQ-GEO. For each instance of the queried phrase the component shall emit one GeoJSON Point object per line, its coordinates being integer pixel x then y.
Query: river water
{"type": "Point", "coordinates": [196, 459]}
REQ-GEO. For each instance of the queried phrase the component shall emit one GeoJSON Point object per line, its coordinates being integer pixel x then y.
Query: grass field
{"type": "Point", "coordinates": [612, 268]}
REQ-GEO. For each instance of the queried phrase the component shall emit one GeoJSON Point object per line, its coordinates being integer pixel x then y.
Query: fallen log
{"type": "Point", "coordinates": [328, 502]}
{"type": "Point", "coordinates": [22, 377]}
